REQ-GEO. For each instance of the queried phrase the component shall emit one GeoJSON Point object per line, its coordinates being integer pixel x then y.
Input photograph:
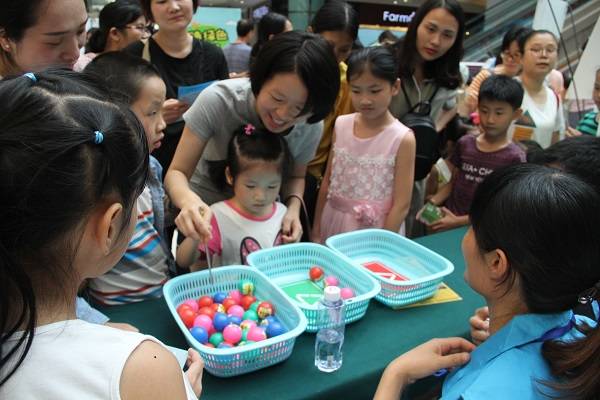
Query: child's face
{"type": "Point", "coordinates": [371, 96]}
{"type": "Point", "coordinates": [596, 91]}
{"type": "Point", "coordinates": [341, 43]}
{"type": "Point", "coordinates": [280, 102]}
{"type": "Point", "coordinates": [148, 109]}
{"type": "Point", "coordinates": [256, 187]}
{"type": "Point", "coordinates": [436, 34]}
{"type": "Point", "coordinates": [495, 117]}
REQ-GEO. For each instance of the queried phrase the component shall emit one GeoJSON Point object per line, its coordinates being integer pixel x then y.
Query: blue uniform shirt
{"type": "Point", "coordinates": [510, 365]}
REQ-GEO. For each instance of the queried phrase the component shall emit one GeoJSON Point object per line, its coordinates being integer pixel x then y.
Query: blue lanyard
{"type": "Point", "coordinates": [552, 334]}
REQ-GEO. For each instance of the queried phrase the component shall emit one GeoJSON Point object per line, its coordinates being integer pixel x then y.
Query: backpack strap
{"type": "Point", "coordinates": [410, 106]}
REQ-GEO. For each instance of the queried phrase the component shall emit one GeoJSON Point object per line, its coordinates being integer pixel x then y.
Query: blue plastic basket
{"type": "Point", "coordinates": [237, 360]}
{"type": "Point", "coordinates": [424, 268]}
{"type": "Point", "coordinates": [291, 263]}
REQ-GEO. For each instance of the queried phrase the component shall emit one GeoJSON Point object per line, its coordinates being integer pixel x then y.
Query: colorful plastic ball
{"type": "Point", "coordinates": [241, 343]}
{"type": "Point", "coordinates": [246, 287]}
{"type": "Point", "coordinates": [265, 309]}
{"type": "Point", "coordinates": [225, 345]}
{"type": "Point", "coordinates": [216, 338]}
{"type": "Point", "coordinates": [332, 281]}
{"type": "Point", "coordinates": [219, 297]}
{"type": "Point", "coordinates": [218, 307]}
{"type": "Point", "coordinates": [232, 333]}
{"type": "Point", "coordinates": [275, 329]}
{"type": "Point", "coordinates": [268, 320]}
{"type": "Point", "coordinates": [188, 316]}
{"type": "Point", "coordinates": [247, 324]}
{"type": "Point", "coordinates": [205, 301]}
{"type": "Point", "coordinates": [183, 306]}
{"type": "Point", "coordinates": [250, 315]}
{"type": "Point", "coordinates": [193, 304]}
{"type": "Point", "coordinates": [209, 344]}
{"type": "Point", "coordinates": [247, 301]}
{"type": "Point", "coordinates": [208, 311]}
{"type": "Point", "coordinates": [256, 334]}
{"type": "Point", "coordinates": [200, 334]}
{"type": "Point", "coordinates": [234, 319]}
{"type": "Point", "coordinates": [254, 306]}
{"type": "Point", "coordinates": [245, 335]}
{"type": "Point", "coordinates": [228, 302]}
{"type": "Point", "coordinates": [315, 273]}
{"type": "Point", "coordinates": [236, 310]}
{"type": "Point", "coordinates": [203, 321]}
{"type": "Point", "coordinates": [220, 321]}
{"type": "Point", "coordinates": [347, 293]}
{"type": "Point", "coordinates": [236, 295]}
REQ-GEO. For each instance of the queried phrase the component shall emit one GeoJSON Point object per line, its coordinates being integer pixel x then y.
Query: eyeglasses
{"type": "Point", "coordinates": [508, 54]}
{"type": "Point", "coordinates": [539, 50]}
{"type": "Point", "coordinates": [145, 29]}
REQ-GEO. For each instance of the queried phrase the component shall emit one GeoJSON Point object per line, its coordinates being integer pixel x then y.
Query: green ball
{"type": "Point", "coordinates": [216, 338]}
{"type": "Point", "coordinates": [250, 314]}
{"type": "Point", "coordinates": [247, 287]}
{"type": "Point", "coordinates": [244, 335]}
{"type": "Point", "coordinates": [254, 306]}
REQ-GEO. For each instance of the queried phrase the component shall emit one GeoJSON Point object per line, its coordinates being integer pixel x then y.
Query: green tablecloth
{"type": "Point", "coordinates": [370, 343]}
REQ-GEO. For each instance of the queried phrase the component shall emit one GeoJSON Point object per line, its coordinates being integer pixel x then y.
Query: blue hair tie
{"type": "Point", "coordinates": [99, 137]}
{"type": "Point", "coordinates": [31, 76]}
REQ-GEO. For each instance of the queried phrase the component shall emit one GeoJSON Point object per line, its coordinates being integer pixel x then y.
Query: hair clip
{"type": "Point", "coordinates": [588, 295]}
{"type": "Point", "coordinates": [31, 76]}
{"type": "Point", "coordinates": [99, 137]}
{"type": "Point", "coordinates": [249, 129]}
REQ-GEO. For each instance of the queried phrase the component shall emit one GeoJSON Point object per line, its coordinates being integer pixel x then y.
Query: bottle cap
{"type": "Point", "coordinates": [332, 293]}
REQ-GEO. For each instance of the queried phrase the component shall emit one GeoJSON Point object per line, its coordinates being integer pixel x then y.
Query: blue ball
{"type": "Point", "coordinates": [225, 345]}
{"type": "Point", "coordinates": [234, 320]}
{"type": "Point", "coordinates": [275, 328]}
{"type": "Point", "coordinates": [219, 297]}
{"type": "Point", "coordinates": [199, 334]}
{"type": "Point", "coordinates": [220, 321]}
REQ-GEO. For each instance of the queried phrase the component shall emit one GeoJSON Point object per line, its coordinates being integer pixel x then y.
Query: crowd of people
{"type": "Point", "coordinates": [301, 136]}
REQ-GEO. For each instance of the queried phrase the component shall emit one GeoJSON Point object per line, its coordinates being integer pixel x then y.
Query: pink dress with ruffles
{"type": "Point", "coordinates": [362, 178]}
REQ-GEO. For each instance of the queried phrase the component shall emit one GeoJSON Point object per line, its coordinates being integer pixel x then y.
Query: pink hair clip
{"type": "Point", "coordinates": [249, 129]}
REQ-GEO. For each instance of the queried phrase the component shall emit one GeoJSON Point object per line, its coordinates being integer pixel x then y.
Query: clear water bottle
{"type": "Point", "coordinates": [330, 338]}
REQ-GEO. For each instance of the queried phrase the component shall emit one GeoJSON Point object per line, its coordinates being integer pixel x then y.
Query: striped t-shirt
{"type": "Point", "coordinates": [144, 268]}
{"type": "Point", "coordinates": [589, 124]}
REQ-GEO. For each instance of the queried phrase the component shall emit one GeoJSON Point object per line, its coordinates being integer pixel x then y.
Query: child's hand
{"type": "Point", "coordinates": [448, 221]}
{"type": "Point", "coordinates": [193, 220]}
{"type": "Point", "coordinates": [291, 228]}
{"type": "Point", "coordinates": [480, 325]}
{"type": "Point", "coordinates": [195, 370]}
{"type": "Point", "coordinates": [572, 132]}
{"type": "Point", "coordinates": [173, 109]}
{"type": "Point", "coordinates": [430, 357]}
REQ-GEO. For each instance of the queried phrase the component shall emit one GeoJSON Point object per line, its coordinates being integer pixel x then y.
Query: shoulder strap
{"type": "Point", "coordinates": [410, 106]}
{"type": "Point", "coordinates": [146, 51]}
{"type": "Point", "coordinates": [434, 93]}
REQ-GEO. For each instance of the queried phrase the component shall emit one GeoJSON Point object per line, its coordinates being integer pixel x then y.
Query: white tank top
{"type": "Point", "coordinates": [74, 359]}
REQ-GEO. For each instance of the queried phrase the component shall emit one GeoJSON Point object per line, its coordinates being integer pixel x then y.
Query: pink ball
{"type": "Point", "coordinates": [256, 334]}
{"type": "Point", "coordinates": [232, 333]}
{"type": "Point", "coordinates": [247, 324]}
{"type": "Point", "coordinates": [346, 293]}
{"type": "Point", "coordinates": [193, 304]}
{"type": "Point", "coordinates": [236, 310]}
{"type": "Point", "coordinates": [203, 321]}
{"type": "Point", "coordinates": [331, 281]}
{"type": "Point", "coordinates": [236, 295]}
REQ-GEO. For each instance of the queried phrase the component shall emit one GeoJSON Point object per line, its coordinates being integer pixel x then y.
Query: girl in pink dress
{"type": "Point", "coordinates": [369, 176]}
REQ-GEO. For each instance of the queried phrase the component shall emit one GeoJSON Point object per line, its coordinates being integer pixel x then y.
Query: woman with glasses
{"type": "Point", "coordinates": [121, 23]}
{"type": "Point", "coordinates": [542, 118]}
{"type": "Point", "coordinates": [182, 61]}
{"type": "Point", "coordinates": [508, 62]}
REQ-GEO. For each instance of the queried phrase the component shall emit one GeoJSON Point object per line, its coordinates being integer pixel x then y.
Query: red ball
{"type": "Point", "coordinates": [183, 306]}
{"type": "Point", "coordinates": [265, 309]}
{"type": "Point", "coordinates": [247, 301]}
{"type": "Point", "coordinates": [205, 301]}
{"type": "Point", "coordinates": [316, 273]}
{"type": "Point", "coordinates": [228, 302]}
{"type": "Point", "coordinates": [207, 311]}
{"type": "Point", "coordinates": [188, 316]}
